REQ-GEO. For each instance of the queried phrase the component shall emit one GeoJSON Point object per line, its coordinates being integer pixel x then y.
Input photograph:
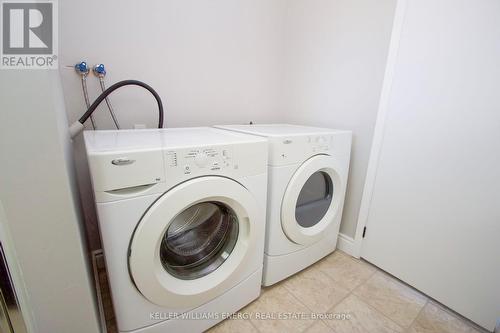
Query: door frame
{"type": "Point", "coordinates": [380, 126]}
{"type": "Point", "coordinates": [15, 271]}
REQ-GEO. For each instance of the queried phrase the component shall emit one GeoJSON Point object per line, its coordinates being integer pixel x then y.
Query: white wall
{"type": "Point", "coordinates": [335, 55]}
{"type": "Point", "coordinates": [39, 207]}
{"type": "Point", "coordinates": [211, 61]}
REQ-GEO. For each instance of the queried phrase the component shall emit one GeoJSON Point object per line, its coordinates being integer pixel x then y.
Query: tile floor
{"type": "Point", "coordinates": [344, 286]}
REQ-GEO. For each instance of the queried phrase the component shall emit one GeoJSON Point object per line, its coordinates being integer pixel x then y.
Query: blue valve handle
{"type": "Point", "coordinates": [100, 70]}
{"type": "Point", "coordinates": [82, 68]}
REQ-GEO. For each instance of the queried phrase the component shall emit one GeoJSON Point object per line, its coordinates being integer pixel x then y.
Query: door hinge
{"type": "Point", "coordinates": [364, 232]}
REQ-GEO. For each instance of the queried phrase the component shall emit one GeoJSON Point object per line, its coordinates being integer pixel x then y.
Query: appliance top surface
{"type": "Point", "coordinates": [276, 130]}
{"type": "Point", "coordinates": [164, 138]}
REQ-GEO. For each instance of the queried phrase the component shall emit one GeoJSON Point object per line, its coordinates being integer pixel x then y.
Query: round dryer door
{"type": "Point", "coordinates": [191, 244]}
{"type": "Point", "coordinates": [312, 199]}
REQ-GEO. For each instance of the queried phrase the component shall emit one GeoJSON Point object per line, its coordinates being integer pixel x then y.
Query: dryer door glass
{"type": "Point", "coordinates": [198, 240]}
{"type": "Point", "coordinates": [314, 199]}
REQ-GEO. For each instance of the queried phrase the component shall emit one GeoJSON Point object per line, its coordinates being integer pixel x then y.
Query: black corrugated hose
{"type": "Point", "coordinates": [120, 84]}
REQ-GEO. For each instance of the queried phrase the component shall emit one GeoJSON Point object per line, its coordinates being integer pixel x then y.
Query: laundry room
{"type": "Point", "coordinates": [249, 166]}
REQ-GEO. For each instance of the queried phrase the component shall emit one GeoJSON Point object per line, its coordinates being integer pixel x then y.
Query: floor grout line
{"type": "Point", "coordinates": [363, 300]}
{"type": "Point", "coordinates": [364, 282]}
{"type": "Point", "coordinates": [429, 300]}
{"type": "Point", "coordinates": [330, 310]}
{"type": "Point", "coordinates": [306, 306]}
{"type": "Point", "coordinates": [302, 303]}
{"type": "Point", "coordinates": [350, 292]}
{"type": "Point", "coordinates": [361, 283]}
{"type": "Point", "coordinates": [456, 315]}
{"type": "Point", "coordinates": [253, 325]}
{"type": "Point", "coordinates": [250, 314]}
{"type": "Point", "coordinates": [418, 315]}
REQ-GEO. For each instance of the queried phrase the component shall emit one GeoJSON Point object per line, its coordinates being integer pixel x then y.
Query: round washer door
{"type": "Point", "coordinates": [193, 242]}
{"type": "Point", "coordinates": [312, 199]}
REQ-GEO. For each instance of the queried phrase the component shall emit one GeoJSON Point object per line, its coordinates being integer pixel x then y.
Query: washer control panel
{"type": "Point", "coordinates": [199, 161]}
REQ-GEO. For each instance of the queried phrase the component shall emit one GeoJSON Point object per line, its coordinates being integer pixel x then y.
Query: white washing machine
{"type": "Point", "coordinates": [182, 220]}
{"type": "Point", "coordinates": [308, 169]}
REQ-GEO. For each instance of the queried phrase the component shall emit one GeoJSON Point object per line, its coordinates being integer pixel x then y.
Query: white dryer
{"type": "Point", "coordinates": [182, 220]}
{"type": "Point", "coordinates": [308, 169]}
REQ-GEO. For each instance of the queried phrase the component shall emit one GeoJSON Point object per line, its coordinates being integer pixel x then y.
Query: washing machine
{"type": "Point", "coordinates": [182, 219]}
{"type": "Point", "coordinates": [308, 169]}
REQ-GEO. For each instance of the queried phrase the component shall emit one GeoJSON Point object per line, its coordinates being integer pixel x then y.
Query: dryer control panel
{"type": "Point", "coordinates": [296, 149]}
{"type": "Point", "coordinates": [320, 143]}
{"type": "Point", "coordinates": [292, 149]}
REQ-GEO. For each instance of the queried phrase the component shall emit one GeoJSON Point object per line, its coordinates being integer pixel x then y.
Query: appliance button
{"type": "Point", "coordinates": [201, 159]}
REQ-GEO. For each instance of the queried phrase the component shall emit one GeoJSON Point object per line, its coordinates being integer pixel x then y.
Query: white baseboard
{"type": "Point", "coordinates": [346, 244]}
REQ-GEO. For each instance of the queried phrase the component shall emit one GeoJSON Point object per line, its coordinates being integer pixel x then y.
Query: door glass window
{"type": "Point", "coordinates": [314, 199]}
{"type": "Point", "coordinates": [199, 240]}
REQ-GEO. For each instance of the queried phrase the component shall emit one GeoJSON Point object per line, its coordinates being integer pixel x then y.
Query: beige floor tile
{"type": "Point", "coordinates": [315, 289]}
{"type": "Point", "coordinates": [362, 318]}
{"type": "Point", "coordinates": [319, 327]}
{"type": "Point", "coordinates": [434, 319]}
{"type": "Point", "coordinates": [392, 298]}
{"type": "Point", "coordinates": [346, 270]}
{"type": "Point", "coordinates": [277, 301]}
{"type": "Point", "coordinates": [233, 325]}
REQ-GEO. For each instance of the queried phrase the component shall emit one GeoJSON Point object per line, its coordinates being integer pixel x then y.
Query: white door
{"type": "Point", "coordinates": [312, 199]}
{"type": "Point", "coordinates": [191, 244]}
{"type": "Point", "coordinates": [434, 216]}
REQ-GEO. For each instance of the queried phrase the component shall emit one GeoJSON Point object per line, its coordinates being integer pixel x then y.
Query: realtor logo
{"type": "Point", "coordinates": [29, 35]}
